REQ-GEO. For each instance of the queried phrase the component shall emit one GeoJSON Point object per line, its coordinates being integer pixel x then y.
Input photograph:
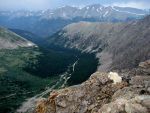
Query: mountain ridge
{"type": "Point", "coordinates": [57, 11]}
{"type": "Point", "coordinates": [30, 36]}
{"type": "Point", "coordinates": [11, 40]}
{"type": "Point", "coordinates": [117, 44]}
{"type": "Point", "coordinates": [48, 19]}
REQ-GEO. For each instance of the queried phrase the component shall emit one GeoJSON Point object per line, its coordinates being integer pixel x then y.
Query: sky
{"type": "Point", "coordinates": [50, 4]}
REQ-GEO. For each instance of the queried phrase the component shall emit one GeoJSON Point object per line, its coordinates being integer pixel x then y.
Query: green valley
{"type": "Point", "coordinates": [26, 72]}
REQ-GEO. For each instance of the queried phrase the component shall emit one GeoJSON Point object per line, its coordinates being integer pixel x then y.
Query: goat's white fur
{"type": "Point", "coordinates": [115, 77]}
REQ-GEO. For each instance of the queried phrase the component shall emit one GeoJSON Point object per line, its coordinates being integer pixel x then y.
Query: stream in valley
{"type": "Point", "coordinates": [39, 71]}
{"type": "Point", "coordinates": [29, 105]}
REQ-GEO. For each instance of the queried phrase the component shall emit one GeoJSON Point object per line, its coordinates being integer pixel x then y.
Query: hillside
{"type": "Point", "coordinates": [28, 71]}
{"type": "Point", "coordinates": [117, 45]}
{"type": "Point", "coordinates": [10, 40]}
{"type": "Point", "coordinates": [30, 36]}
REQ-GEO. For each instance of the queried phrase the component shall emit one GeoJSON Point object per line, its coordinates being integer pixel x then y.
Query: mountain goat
{"type": "Point", "coordinates": [115, 77]}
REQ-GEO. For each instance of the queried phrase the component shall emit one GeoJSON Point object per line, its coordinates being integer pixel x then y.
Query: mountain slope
{"type": "Point", "coordinates": [10, 40]}
{"type": "Point", "coordinates": [45, 23]}
{"type": "Point", "coordinates": [28, 71]}
{"type": "Point", "coordinates": [117, 45]}
{"type": "Point", "coordinates": [30, 36]}
{"type": "Point", "coordinates": [131, 44]}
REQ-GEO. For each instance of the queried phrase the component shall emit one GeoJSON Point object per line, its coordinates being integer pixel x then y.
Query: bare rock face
{"type": "Point", "coordinates": [145, 66]}
{"type": "Point", "coordinates": [84, 98]}
{"type": "Point", "coordinates": [139, 104]}
{"type": "Point", "coordinates": [101, 94]}
{"type": "Point", "coordinates": [132, 99]}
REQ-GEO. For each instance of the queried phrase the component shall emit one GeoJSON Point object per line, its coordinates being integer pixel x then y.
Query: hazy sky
{"type": "Point", "coordinates": [50, 4]}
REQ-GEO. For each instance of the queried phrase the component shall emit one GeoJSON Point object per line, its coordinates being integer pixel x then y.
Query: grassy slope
{"type": "Point", "coordinates": [26, 72]}
{"type": "Point", "coordinates": [15, 84]}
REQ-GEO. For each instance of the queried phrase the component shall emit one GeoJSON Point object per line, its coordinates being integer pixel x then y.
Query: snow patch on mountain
{"type": "Point", "coordinates": [125, 11]}
{"type": "Point", "coordinates": [105, 14]}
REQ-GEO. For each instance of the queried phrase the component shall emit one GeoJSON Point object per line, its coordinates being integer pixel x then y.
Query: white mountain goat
{"type": "Point", "coordinates": [115, 77]}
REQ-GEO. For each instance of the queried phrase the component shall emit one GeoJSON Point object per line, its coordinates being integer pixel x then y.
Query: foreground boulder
{"type": "Point", "coordinates": [87, 97]}
{"type": "Point", "coordinates": [139, 104]}
{"type": "Point", "coordinates": [102, 93]}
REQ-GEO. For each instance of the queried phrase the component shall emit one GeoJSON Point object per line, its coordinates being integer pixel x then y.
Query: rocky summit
{"type": "Point", "coordinates": [102, 94]}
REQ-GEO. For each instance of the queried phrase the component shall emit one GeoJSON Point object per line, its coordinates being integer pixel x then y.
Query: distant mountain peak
{"type": "Point", "coordinates": [95, 5]}
{"type": "Point", "coordinates": [47, 22]}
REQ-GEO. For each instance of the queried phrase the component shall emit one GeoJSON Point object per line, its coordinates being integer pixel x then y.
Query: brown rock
{"type": "Point", "coordinates": [114, 107]}
{"type": "Point", "coordinates": [41, 108]}
{"type": "Point", "coordinates": [146, 103]}
{"type": "Point", "coordinates": [135, 108]}
{"type": "Point", "coordinates": [145, 67]}
{"type": "Point", "coordinates": [140, 81]}
{"type": "Point", "coordinates": [145, 64]}
{"type": "Point", "coordinates": [84, 98]}
{"type": "Point", "coordinates": [100, 95]}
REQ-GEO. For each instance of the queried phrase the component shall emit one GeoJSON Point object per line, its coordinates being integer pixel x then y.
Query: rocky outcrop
{"type": "Point", "coordinates": [139, 104]}
{"type": "Point", "coordinates": [100, 94]}
{"type": "Point", "coordinates": [145, 66]}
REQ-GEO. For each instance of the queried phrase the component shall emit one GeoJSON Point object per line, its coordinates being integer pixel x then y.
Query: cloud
{"type": "Point", "coordinates": [49, 4]}
{"type": "Point", "coordinates": [25, 4]}
{"type": "Point", "coordinates": [134, 4]}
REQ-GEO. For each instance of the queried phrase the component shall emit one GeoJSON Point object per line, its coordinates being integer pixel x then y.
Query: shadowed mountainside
{"type": "Point", "coordinates": [30, 36]}
{"type": "Point", "coordinates": [119, 45]}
